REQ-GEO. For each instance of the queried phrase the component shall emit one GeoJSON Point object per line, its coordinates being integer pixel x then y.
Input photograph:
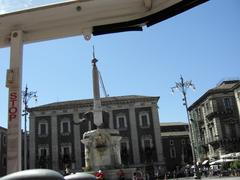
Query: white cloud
{"type": "Point", "coordinates": [15, 5]}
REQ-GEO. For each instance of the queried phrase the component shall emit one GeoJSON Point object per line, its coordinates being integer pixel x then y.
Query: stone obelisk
{"type": "Point", "coordinates": [102, 145]}
{"type": "Point", "coordinates": [97, 108]}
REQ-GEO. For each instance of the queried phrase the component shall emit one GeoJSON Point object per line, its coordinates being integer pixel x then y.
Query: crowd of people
{"type": "Point", "coordinates": [137, 175]}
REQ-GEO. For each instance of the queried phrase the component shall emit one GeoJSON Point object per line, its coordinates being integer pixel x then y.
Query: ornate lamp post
{"type": "Point", "coordinates": [26, 97]}
{"type": "Point", "coordinates": [182, 86]}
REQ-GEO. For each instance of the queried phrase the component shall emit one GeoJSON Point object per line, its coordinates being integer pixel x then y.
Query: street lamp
{"type": "Point", "coordinates": [26, 97]}
{"type": "Point", "coordinates": [182, 86]}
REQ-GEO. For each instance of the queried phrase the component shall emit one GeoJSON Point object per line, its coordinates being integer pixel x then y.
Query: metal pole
{"type": "Point", "coordinates": [25, 141]}
{"type": "Point", "coordinates": [182, 87]}
{"type": "Point", "coordinates": [26, 97]}
{"type": "Point", "coordinates": [25, 127]}
{"type": "Point", "coordinates": [190, 131]}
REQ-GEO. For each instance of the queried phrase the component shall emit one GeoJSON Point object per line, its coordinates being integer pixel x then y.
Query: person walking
{"type": "Point", "coordinates": [100, 175]}
{"type": "Point", "coordinates": [135, 176]}
{"type": "Point", "coordinates": [121, 175]}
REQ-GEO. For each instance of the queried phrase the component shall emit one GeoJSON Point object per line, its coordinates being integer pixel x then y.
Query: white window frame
{"type": "Point", "coordinates": [89, 125]}
{"type": "Point", "coordinates": [199, 112]}
{"type": "Point", "coordinates": [39, 128]}
{"type": "Point", "coordinates": [148, 138]}
{"type": "Point", "coordinates": [125, 140]}
{"type": "Point", "coordinates": [228, 105]}
{"type": "Point", "coordinates": [171, 142]}
{"type": "Point", "coordinates": [207, 107]}
{"type": "Point", "coordinates": [69, 146]}
{"type": "Point", "coordinates": [41, 148]}
{"type": "Point", "coordinates": [172, 152]}
{"type": "Point", "coordinates": [66, 120]}
{"type": "Point", "coordinates": [140, 119]}
{"type": "Point", "coordinates": [124, 121]}
{"type": "Point", "coordinates": [183, 141]}
{"type": "Point", "coordinates": [4, 137]}
{"type": "Point", "coordinates": [210, 106]}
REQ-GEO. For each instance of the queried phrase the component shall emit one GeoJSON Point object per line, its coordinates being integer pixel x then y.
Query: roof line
{"type": "Point", "coordinates": [212, 91]}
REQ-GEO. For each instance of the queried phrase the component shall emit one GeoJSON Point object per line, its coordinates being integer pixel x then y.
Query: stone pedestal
{"type": "Point", "coordinates": [102, 149]}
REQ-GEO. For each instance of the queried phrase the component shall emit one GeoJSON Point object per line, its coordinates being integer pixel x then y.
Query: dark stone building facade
{"type": "Point", "coordinates": [215, 118]}
{"type": "Point", "coordinates": [176, 146]}
{"type": "Point", "coordinates": [56, 131]}
{"type": "Point", "coordinates": [3, 151]}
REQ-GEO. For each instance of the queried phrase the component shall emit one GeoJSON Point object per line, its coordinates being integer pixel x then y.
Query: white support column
{"type": "Point", "coordinates": [134, 135]}
{"type": "Point", "coordinates": [157, 134]}
{"type": "Point", "coordinates": [14, 83]}
{"type": "Point", "coordinates": [111, 119]}
{"type": "Point", "coordinates": [237, 97]}
{"type": "Point", "coordinates": [54, 136]}
{"type": "Point", "coordinates": [77, 143]}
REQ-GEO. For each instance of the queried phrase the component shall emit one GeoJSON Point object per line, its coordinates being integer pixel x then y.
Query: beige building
{"type": "Point", "coordinates": [177, 147]}
{"type": "Point", "coordinates": [215, 121]}
{"type": "Point", "coordinates": [56, 131]}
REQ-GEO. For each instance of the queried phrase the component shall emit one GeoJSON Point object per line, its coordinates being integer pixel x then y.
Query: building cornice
{"type": "Point", "coordinates": [2, 128]}
{"type": "Point", "coordinates": [174, 133]}
{"type": "Point", "coordinates": [170, 124]}
{"type": "Point", "coordinates": [212, 92]}
{"type": "Point", "coordinates": [86, 103]}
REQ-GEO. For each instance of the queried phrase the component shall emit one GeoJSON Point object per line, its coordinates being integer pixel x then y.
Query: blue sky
{"type": "Point", "coordinates": [202, 44]}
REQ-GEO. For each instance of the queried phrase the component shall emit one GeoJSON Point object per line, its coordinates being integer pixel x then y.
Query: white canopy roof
{"type": "Point", "coordinates": [220, 161]}
{"type": "Point", "coordinates": [204, 162]}
{"type": "Point", "coordinates": [86, 17]}
{"type": "Point", "coordinates": [230, 155]}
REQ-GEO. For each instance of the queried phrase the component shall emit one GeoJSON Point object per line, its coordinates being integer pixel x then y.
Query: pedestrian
{"type": "Point", "coordinates": [100, 175]}
{"type": "Point", "coordinates": [67, 171]}
{"type": "Point", "coordinates": [121, 175]}
{"type": "Point", "coordinates": [135, 176]}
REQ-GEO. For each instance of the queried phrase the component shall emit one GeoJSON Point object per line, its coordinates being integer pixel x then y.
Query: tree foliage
{"type": "Point", "coordinates": [235, 165]}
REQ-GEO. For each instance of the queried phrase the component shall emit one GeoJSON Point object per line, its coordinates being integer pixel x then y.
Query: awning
{"type": "Point", "coordinates": [238, 154]}
{"type": "Point", "coordinates": [230, 155]}
{"type": "Point", "coordinates": [220, 161]}
{"type": "Point", "coordinates": [225, 156]}
{"type": "Point", "coordinates": [205, 162]}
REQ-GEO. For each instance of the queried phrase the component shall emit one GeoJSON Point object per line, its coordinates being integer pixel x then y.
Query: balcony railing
{"type": "Point", "coordinates": [219, 113]}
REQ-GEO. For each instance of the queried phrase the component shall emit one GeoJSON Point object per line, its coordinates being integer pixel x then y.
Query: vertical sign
{"type": "Point", "coordinates": [14, 82]}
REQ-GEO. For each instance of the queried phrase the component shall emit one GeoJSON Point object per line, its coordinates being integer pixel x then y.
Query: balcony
{"type": "Point", "coordinates": [203, 144]}
{"type": "Point", "coordinates": [214, 141]}
{"type": "Point", "coordinates": [219, 113]}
